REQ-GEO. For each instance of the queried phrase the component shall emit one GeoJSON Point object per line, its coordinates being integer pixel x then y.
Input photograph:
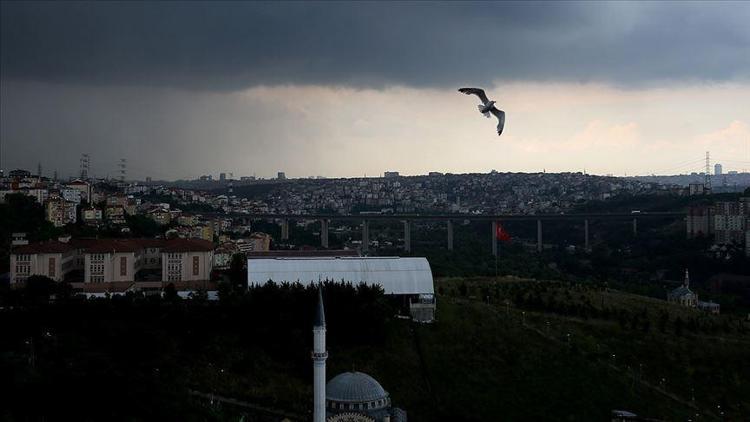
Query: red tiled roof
{"type": "Point", "coordinates": [150, 243]}
{"type": "Point", "coordinates": [188, 245]}
{"type": "Point", "coordinates": [51, 246]}
{"type": "Point", "coordinates": [114, 245]}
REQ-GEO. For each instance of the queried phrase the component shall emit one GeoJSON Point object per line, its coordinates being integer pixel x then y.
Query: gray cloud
{"type": "Point", "coordinates": [229, 46]}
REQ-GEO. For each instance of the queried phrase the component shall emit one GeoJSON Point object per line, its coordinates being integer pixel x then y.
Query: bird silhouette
{"type": "Point", "coordinates": [487, 106]}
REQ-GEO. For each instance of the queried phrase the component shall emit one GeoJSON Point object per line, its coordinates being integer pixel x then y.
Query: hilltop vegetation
{"type": "Point", "coordinates": [522, 349]}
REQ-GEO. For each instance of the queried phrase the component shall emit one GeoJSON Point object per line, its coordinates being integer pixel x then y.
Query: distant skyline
{"type": "Point", "coordinates": [343, 90]}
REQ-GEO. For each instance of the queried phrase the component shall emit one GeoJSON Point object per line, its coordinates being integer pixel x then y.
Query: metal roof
{"type": "Point", "coordinates": [396, 275]}
{"type": "Point", "coordinates": [354, 387]}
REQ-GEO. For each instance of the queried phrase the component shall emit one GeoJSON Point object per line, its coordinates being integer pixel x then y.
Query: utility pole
{"type": "Point", "coordinates": [707, 182]}
{"type": "Point", "coordinates": [85, 162]}
{"type": "Point", "coordinates": [123, 169]}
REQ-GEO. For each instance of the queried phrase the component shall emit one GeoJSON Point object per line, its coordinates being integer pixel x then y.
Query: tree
{"type": "Point", "coordinates": [142, 226]}
{"type": "Point", "coordinates": [170, 293]}
{"type": "Point", "coordinates": [238, 272]}
{"type": "Point", "coordinates": [38, 289]}
{"type": "Point", "coordinates": [63, 291]}
{"type": "Point", "coordinates": [21, 213]}
{"type": "Point", "coordinates": [678, 326]}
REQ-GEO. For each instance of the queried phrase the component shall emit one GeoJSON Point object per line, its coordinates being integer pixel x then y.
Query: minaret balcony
{"type": "Point", "coordinates": [319, 355]}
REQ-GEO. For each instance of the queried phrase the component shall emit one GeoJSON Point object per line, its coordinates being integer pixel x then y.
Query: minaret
{"type": "Point", "coordinates": [319, 356]}
{"type": "Point", "coordinates": [687, 278]}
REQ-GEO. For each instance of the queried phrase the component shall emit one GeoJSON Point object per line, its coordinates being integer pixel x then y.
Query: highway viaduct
{"type": "Point", "coordinates": [407, 220]}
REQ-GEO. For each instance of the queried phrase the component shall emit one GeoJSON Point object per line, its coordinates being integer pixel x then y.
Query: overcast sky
{"type": "Point", "coordinates": [347, 89]}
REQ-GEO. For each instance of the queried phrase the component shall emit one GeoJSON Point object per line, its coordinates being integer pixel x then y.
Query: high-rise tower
{"type": "Point", "coordinates": [319, 356]}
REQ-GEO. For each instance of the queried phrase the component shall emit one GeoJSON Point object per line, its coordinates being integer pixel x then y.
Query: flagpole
{"type": "Point", "coordinates": [495, 239]}
{"type": "Point", "coordinates": [498, 253]}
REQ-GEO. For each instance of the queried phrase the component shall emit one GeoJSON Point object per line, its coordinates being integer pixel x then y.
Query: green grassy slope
{"type": "Point", "coordinates": [501, 349]}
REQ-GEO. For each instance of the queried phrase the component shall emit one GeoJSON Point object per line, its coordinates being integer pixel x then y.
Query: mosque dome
{"type": "Point", "coordinates": [355, 391]}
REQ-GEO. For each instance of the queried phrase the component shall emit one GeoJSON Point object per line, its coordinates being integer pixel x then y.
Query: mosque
{"type": "Point", "coordinates": [347, 397]}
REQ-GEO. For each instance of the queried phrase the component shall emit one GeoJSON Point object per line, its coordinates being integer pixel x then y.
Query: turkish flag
{"type": "Point", "coordinates": [501, 234]}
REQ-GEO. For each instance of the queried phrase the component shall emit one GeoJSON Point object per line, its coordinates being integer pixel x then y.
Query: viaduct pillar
{"type": "Point", "coordinates": [586, 234]}
{"type": "Point", "coordinates": [538, 235]}
{"type": "Point", "coordinates": [285, 229]}
{"type": "Point", "coordinates": [450, 235]}
{"type": "Point", "coordinates": [324, 233]}
{"type": "Point", "coordinates": [407, 236]}
{"type": "Point", "coordinates": [493, 237]}
{"type": "Point", "coordinates": [365, 235]}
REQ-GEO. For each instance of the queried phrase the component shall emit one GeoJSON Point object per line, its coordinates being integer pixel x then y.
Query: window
{"type": "Point", "coordinates": [51, 270]}
{"type": "Point", "coordinates": [123, 266]}
{"type": "Point", "coordinates": [96, 269]}
{"type": "Point", "coordinates": [196, 265]}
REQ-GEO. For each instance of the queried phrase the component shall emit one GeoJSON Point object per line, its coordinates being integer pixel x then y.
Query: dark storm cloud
{"type": "Point", "coordinates": [227, 46]}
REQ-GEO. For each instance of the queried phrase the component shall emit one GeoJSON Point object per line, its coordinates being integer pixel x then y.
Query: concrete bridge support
{"type": "Point", "coordinates": [635, 227]}
{"type": "Point", "coordinates": [407, 236]}
{"type": "Point", "coordinates": [285, 229]}
{"type": "Point", "coordinates": [365, 235]}
{"type": "Point", "coordinates": [493, 236]}
{"type": "Point", "coordinates": [324, 233]}
{"type": "Point", "coordinates": [450, 235]}
{"type": "Point", "coordinates": [586, 234]}
{"type": "Point", "coordinates": [538, 235]}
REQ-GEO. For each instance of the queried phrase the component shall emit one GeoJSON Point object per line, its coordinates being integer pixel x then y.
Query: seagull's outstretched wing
{"type": "Point", "coordinates": [475, 91]}
{"type": "Point", "coordinates": [501, 119]}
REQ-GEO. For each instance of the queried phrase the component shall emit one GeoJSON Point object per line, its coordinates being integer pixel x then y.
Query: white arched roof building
{"type": "Point", "coordinates": [397, 276]}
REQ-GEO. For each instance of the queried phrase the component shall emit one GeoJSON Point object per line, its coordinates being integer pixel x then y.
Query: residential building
{"type": "Point", "coordinates": [187, 260]}
{"type": "Point", "coordinates": [61, 212]}
{"type": "Point", "coordinates": [115, 215]}
{"type": "Point", "coordinates": [696, 189]}
{"type": "Point", "coordinates": [92, 216]}
{"type": "Point", "coordinates": [223, 255]}
{"type": "Point", "coordinates": [51, 259]}
{"type": "Point", "coordinates": [71, 195]}
{"type": "Point", "coordinates": [39, 194]}
{"type": "Point", "coordinates": [161, 215]}
{"type": "Point", "coordinates": [115, 261]}
{"type": "Point", "coordinates": [203, 231]}
{"type": "Point", "coordinates": [729, 222]}
{"type": "Point", "coordinates": [187, 220]}
{"type": "Point", "coordinates": [699, 221]}
{"type": "Point", "coordinates": [257, 242]}
{"type": "Point", "coordinates": [112, 260]}
{"type": "Point", "coordinates": [83, 187]}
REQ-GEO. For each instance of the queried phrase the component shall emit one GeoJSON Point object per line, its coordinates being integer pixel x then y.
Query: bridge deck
{"type": "Point", "coordinates": [471, 217]}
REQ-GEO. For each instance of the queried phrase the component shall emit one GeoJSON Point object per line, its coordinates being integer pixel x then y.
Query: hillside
{"type": "Point", "coordinates": [501, 348]}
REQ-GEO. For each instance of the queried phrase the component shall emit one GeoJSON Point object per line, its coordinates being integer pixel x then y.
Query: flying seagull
{"type": "Point", "coordinates": [487, 106]}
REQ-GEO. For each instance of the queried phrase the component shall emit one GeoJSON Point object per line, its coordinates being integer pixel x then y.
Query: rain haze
{"type": "Point", "coordinates": [348, 89]}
